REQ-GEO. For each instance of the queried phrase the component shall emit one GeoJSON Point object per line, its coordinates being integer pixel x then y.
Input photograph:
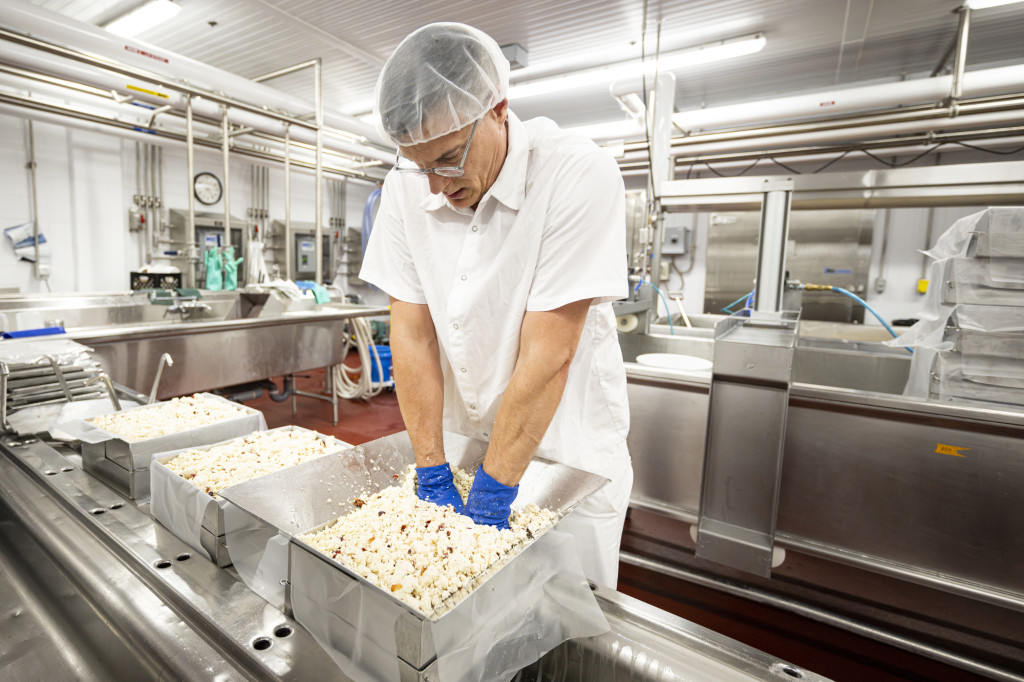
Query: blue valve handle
{"type": "Point", "coordinates": [435, 484]}
{"type": "Point", "coordinates": [490, 502]}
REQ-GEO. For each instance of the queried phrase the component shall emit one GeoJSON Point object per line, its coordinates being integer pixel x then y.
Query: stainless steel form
{"type": "Point", "coordinates": [113, 595]}
{"type": "Point", "coordinates": [321, 490]}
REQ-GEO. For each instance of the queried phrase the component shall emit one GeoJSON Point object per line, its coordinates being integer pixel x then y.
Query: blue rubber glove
{"type": "Point", "coordinates": [489, 501]}
{"type": "Point", "coordinates": [437, 485]}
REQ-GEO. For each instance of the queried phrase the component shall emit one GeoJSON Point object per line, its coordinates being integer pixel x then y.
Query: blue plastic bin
{"type": "Point", "coordinates": [384, 352]}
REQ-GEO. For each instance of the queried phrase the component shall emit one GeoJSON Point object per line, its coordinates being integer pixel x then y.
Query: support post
{"type": "Point", "coordinates": [190, 165]}
{"type": "Point", "coordinates": [960, 60]}
{"type": "Point", "coordinates": [319, 103]}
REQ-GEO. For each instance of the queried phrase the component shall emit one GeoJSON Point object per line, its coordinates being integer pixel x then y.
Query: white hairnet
{"type": "Point", "coordinates": [441, 78]}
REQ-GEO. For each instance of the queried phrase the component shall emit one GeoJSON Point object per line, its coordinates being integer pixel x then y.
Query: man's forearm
{"type": "Point", "coordinates": [547, 346]}
{"type": "Point", "coordinates": [419, 383]}
{"type": "Point", "coordinates": [529, 404]}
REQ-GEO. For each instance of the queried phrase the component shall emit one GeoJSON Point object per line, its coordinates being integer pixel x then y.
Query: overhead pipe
{"type": "Point", "coordinates": [134, 116]}
{"type": "Point", "coordinates": [66, 116]}
{"type": "Point", "coordinates": [96, 80]}
{"type": "Point", "coordinates": [136, 55]}
{"type": "Point", "coordinates": [848, 100]}
{"type": "Point", "coordinates": [818, 157]}
{"type": "Point", "coordinates": [860, 134]}
{"type": "Point", "coordinates": [58, 62]}
{"type": "Point", "coordinates": [865, 135]}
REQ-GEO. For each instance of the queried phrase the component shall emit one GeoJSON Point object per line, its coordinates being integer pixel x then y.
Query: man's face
{"type": "Point", "coordinates": [486, 156]}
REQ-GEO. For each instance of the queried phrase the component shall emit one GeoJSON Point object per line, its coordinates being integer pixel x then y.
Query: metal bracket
{"type": "Point", "coordinates": [746, 433]}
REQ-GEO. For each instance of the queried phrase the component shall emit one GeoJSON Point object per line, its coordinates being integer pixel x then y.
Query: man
{"type": "Point", "coordinates": [501, 245]}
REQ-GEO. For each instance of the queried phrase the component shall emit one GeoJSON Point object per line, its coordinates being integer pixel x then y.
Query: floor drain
{"type": "Point", "coordinates": [282, 631]}
{"type": "Point", "coordinates": [184, 556]}
{"type": "Point", "coordinates": [97, 511]}
{"type": "Point", "coordinates": [162, 563]}
{"type": "Point", "coordinates": [50, 472]}
{"type": "Point", "coordinates": [261, 643]}
{"type": "Point", "coordinates": [117, 505]}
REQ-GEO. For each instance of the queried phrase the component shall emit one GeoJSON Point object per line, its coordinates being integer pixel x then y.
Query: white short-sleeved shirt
{"type": "Point", "coordinates": [550, 231]}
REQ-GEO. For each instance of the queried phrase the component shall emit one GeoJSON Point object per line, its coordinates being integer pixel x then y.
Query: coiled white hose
{"type": "Point", "coordinates": [354, 383]}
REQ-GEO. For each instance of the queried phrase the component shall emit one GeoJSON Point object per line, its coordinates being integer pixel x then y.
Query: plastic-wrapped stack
{"type": "Point", "coordinates": [969, 344]}
{"type": "Point", "coordinates": [42, 374]}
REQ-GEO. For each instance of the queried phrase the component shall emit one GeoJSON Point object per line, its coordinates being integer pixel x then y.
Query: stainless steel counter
{"type": "Point", "coordinates": [92, 588]}
{"type": "Point", "coordinates": [231, 338]}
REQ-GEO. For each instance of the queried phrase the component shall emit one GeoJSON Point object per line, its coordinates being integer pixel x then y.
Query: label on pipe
{"type": "Point", "coordinates": [154, 93]}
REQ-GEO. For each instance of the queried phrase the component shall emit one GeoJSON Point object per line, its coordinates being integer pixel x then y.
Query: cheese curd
{"type": "Point", "coordinates": [243, 459]}
{"type": "Point", "coordinates": [173, 416]}
{"type": "Point", "coordinates": [420, 552]}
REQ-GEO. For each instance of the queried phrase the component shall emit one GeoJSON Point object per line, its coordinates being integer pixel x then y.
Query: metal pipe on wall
{"type": "Point", "coordinates": [318, 246]}
{"type": "Point", "coordinates": [287, 270]}
{"type": "Point", "coordinates": [190, 165]}
{"type": "Point", "coordinates": [147, 212]}
{"type": "Point", "coordinates": [225, 146]}
{"type": "Point", "coordinates": [30, 164]}
{"type": "Point", "coordinates": [159, 168]}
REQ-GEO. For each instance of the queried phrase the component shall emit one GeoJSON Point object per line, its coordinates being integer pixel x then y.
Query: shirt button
{"type": "Point", "coordinates": [463, 370]}
{"type": "Point", "coordinates": [475, 228]}
{"type": "Point", "coordinates": [472, 406]}
{"type": "Point", "coordinates": [455, 325]}
{"type": "Point", "coordinates": [463, 278]}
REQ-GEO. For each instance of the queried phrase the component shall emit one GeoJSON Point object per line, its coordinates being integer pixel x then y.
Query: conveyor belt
{"type": "Point", "coordinates": [94, 589]}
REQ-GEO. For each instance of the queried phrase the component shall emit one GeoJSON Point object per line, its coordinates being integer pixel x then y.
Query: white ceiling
{"type": "Point", "coordinates": [812, 44]}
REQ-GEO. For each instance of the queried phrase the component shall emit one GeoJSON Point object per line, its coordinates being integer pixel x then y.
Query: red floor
{"type": "Point", "coordinates": [825, 650]}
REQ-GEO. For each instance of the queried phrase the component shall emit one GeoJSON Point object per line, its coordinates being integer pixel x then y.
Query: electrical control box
{"type": "Point", "coordinates": [305, 256]}
{"type": "Point", "coordinates": [677, 229]}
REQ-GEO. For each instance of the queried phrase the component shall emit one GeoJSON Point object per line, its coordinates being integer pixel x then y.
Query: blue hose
{"type": "Point", "coordinates": [871, 310]}
{"type": "Point", "coordinates": [668, 311]}
{"type": "Point", "coordinates": [728, 308]}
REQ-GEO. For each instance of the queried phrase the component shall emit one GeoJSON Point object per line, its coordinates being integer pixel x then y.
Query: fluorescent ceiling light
{"type": "Point", "coordinates": [671, 61]}
{"type": "Point", "coordinates": [985, 4]}
{"type": "Point", "coordinates": [143, 17]}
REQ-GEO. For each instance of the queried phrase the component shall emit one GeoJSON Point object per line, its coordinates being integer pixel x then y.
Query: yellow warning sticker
{"type": "Point", "coordinates": [943, 449]}
{"type": "Point", "coordinates": [154, 93]}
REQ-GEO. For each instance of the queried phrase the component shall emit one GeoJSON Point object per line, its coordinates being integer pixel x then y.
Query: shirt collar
{"type": "Point", "coordinates": [510, 186]}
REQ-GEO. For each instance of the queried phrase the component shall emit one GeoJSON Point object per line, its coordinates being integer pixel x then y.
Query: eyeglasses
{"type": "Point", "coordinates": [445, 171]}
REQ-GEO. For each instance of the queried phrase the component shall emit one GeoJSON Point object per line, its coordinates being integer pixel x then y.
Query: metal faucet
{"type": "Point", "coordinates": [185, 307]}
{"type": "Point", "coordinates": [165, 359]}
